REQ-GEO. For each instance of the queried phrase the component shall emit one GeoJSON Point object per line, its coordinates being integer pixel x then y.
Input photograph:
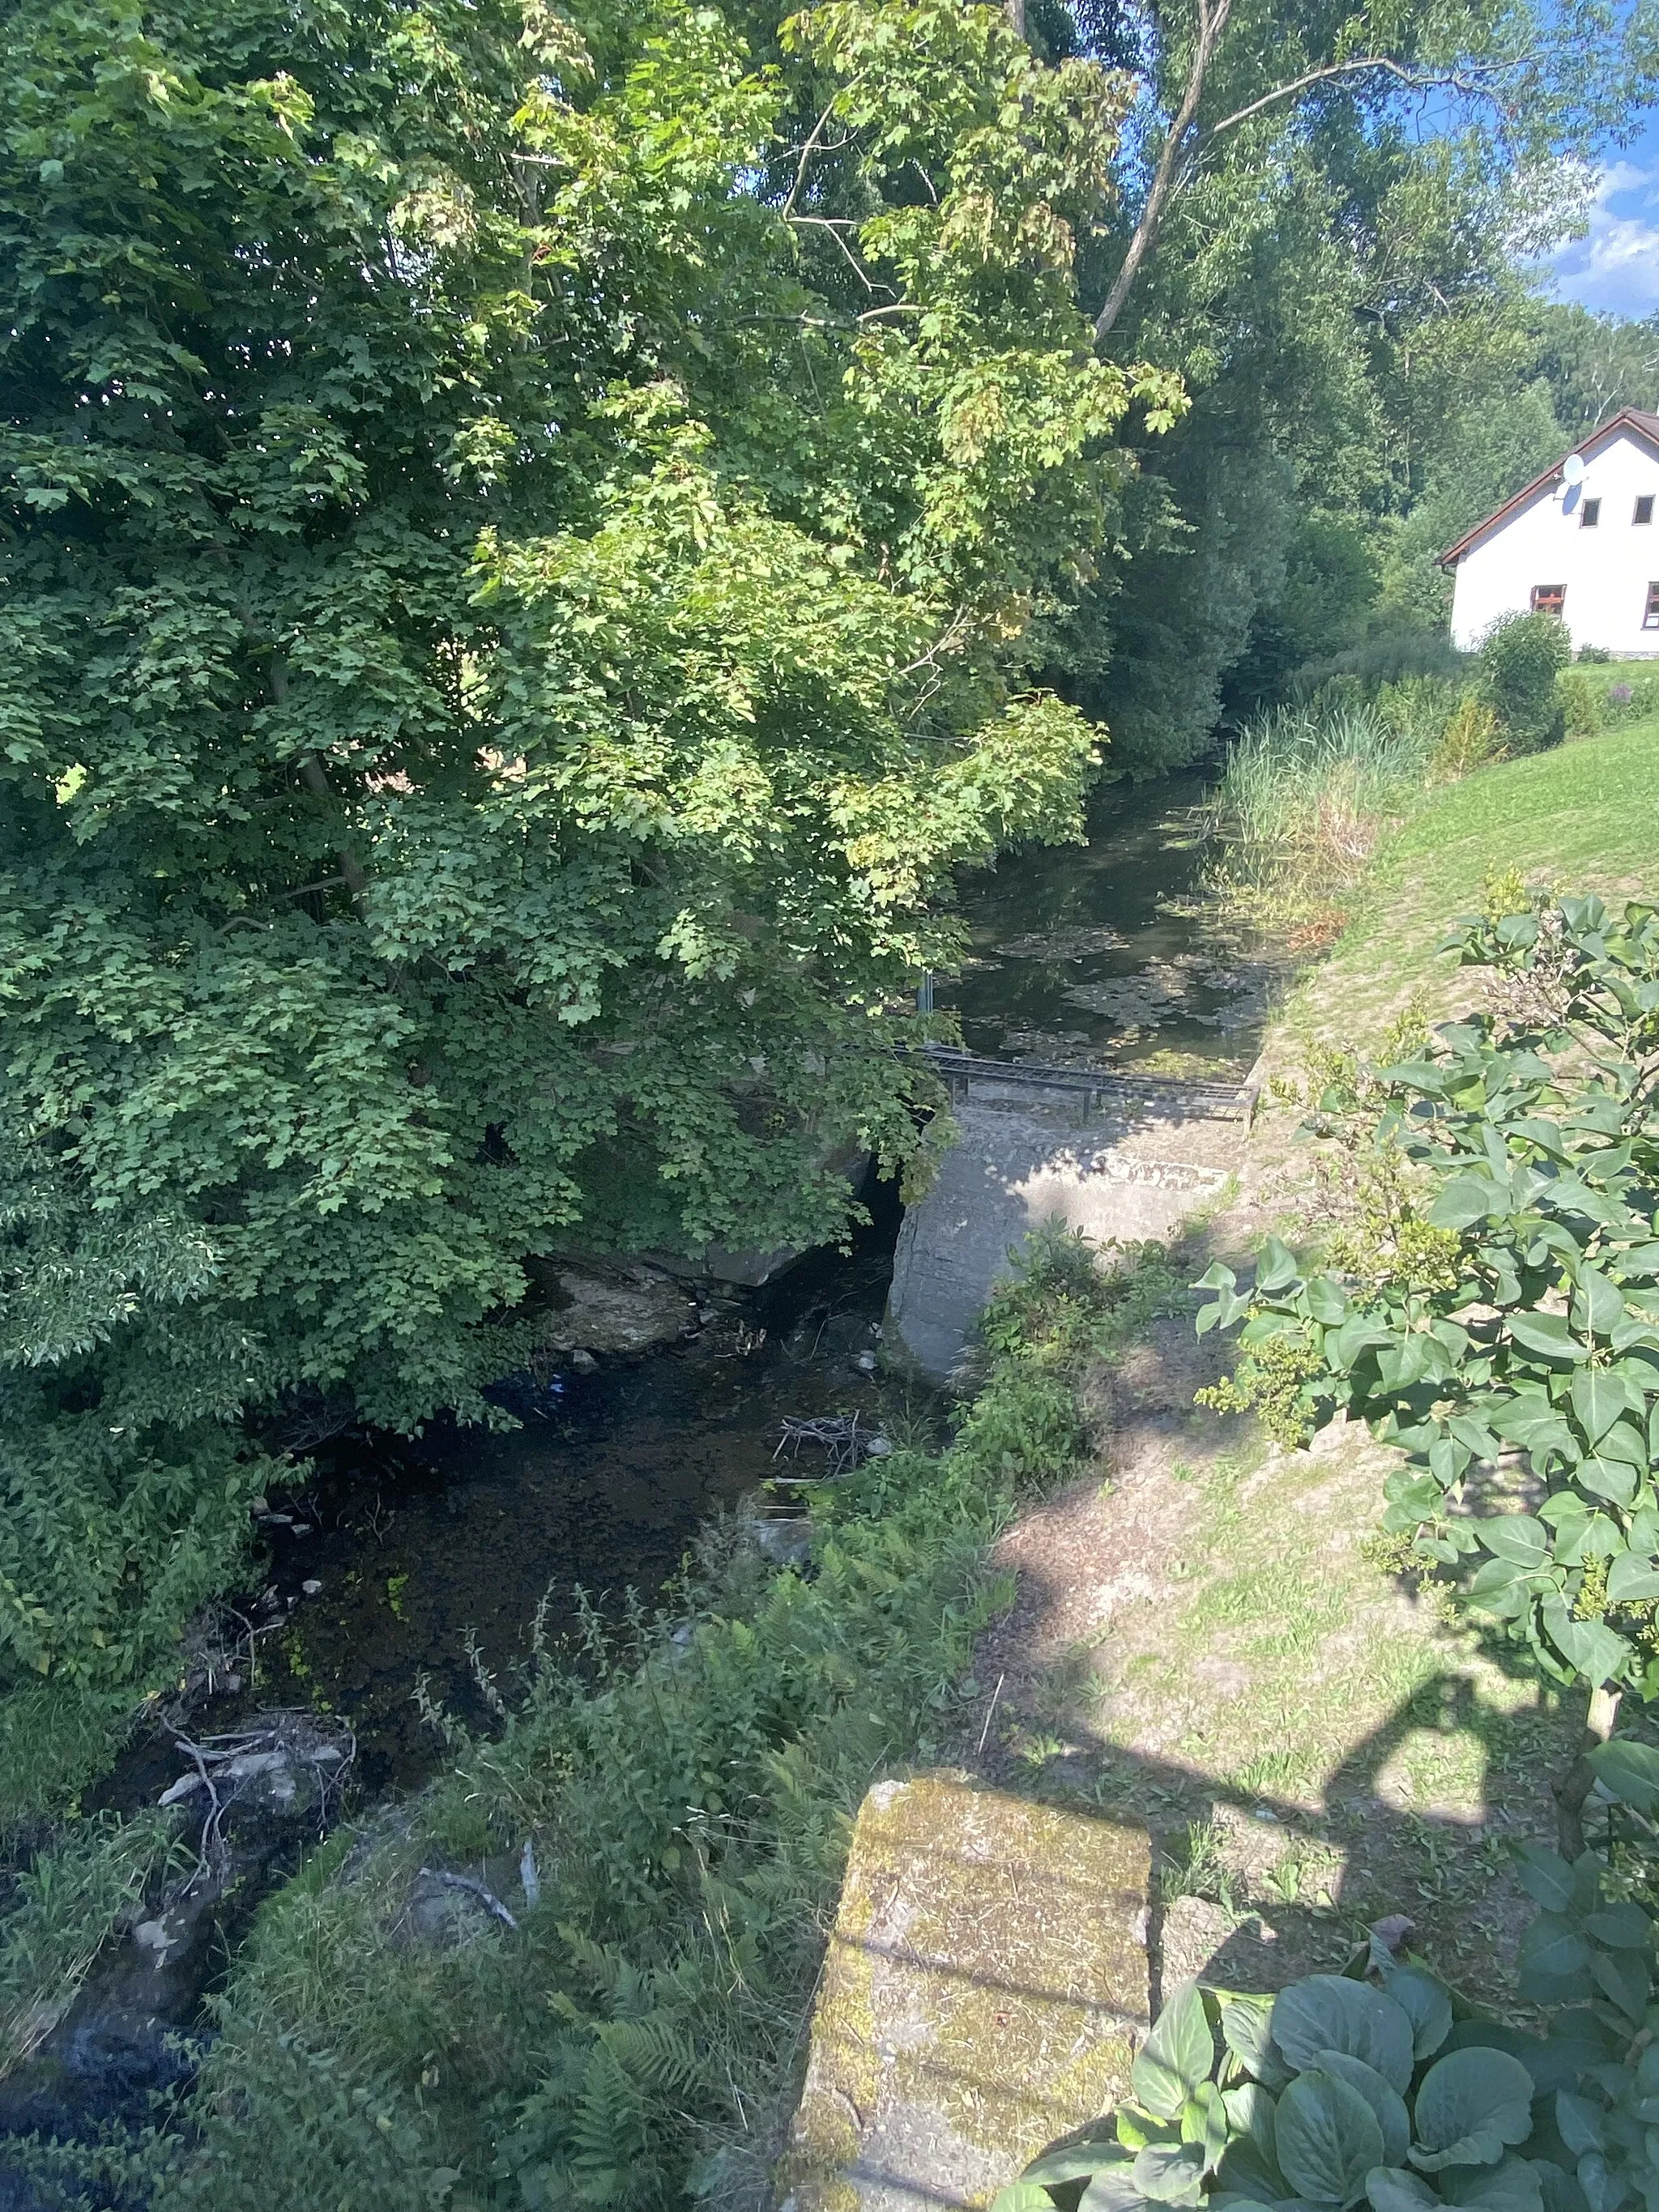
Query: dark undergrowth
{"type": "Point", "coordinates": [664, 1818]}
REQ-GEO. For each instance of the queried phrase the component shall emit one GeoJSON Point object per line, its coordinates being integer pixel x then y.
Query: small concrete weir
{"type": "Point", "coordinates": [1117, 1156]}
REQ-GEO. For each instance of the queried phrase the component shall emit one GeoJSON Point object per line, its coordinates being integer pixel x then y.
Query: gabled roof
{"type": "Point", "coordinates": [1628, 419]}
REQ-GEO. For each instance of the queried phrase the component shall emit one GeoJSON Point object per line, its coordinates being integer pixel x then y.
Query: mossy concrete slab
{"type": "Point", "coordinates": [985, 1987]}
{"type": "Point", "coordinates": [1016, 1166]}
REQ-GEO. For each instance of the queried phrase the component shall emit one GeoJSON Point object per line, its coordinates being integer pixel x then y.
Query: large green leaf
{"type": "Point", "coordinates": [1177, 2056]}
{"type": "Point", "coordinates": [1545, 1334]}
{"type": "Point", "coordinates": [1391, 2189]}
{"type": "Point", "coordinates": [1112, 2190]}
{"type": "Point", "coordinates": [1597, 1653]}
{"type": "Point", "coordinates": [1515, 1536]}
{"type": "Point", "coordinates": [1475, 2091]}
{"type": "Point", "coordinates": [1025, 2197]}
{"type": "Point", "coordinates": [1073, 2162]}
{"type": "Point", "coordinates": [1427, 2003]}
{"type": "Point", "coordinates": [1511, 2185]}
{"type": "Point", "coordinates": [1629, 1771]}
{"type": "Point", "coordinates": [1385, 2102]}
{"type": "Point", "coordinates": [1328, 2012]}
{"type": "Point", "coordinates": [1327, 2138]}
{"type": "Point", "coordinates": [1169, 2174]}
{"type": "Point", "coordinates": [1247, 2031]}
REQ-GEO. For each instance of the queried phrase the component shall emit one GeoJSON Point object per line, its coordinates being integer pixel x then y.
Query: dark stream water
{"type": "Point", "coordinates": [400, 1556]}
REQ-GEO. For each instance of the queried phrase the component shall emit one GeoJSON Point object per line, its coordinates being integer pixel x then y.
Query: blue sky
{"type": "Point", "coordinates": [1616, 266]}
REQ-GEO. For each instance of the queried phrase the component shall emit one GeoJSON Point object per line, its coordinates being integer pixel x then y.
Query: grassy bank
{"type": "Point", "coordinates": [1584, 816]}
{"type": "Point", "coordinates": [665, 1820]}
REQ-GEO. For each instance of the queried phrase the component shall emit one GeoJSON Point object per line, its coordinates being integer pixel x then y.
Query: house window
{"type": "Point", "coordinates": [1590, 514]}
{"type": "Point", "coordinates": [1550, 598]}
{"type": "Point", "coordinates": [1650, 619]}
{"type": "Point", "coordinates": [1643, 509]}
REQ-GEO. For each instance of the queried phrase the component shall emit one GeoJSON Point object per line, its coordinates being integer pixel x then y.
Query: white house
{"type": "Point", "coordinates": [1581, 541]}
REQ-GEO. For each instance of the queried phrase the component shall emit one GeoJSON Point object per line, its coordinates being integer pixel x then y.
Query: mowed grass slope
{"type": "Point", "coordinates": [1583, 817]}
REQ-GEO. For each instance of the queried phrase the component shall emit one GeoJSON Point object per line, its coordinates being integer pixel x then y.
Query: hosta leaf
{"type": "Point", "coordinates": [1484, 2146]}
{"type": "Point", "coordinates": [1391, 2189]}
{"type": "Point", "coordinates": [1327, 2138]}
{"type": "Point", "coordinates": [1328, 2012]}
{"type": "Point", "coordinates": [1071, 2162]}
{"type": "Point", "coordinates": [1479, 2089]}
{"type": "Point", "coordinates": [1511, 2185]}
{"type": "Point", "coordinates": [1385, 2102]}
{"type": "Point", "coordinates": [1168, 2174]}
{"type": "Point", "coordinates": [1245, 2028]}
{"type": "Point", "coordinates": [1177, 2056]}
{"type": "Point", "coordinates": [1427, 2003]}
{"type": "Point", "coordinates": [1024, 2196]}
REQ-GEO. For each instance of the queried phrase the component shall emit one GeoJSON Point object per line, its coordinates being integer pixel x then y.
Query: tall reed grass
{"type": "Point", "coordinates": [1309, 790]}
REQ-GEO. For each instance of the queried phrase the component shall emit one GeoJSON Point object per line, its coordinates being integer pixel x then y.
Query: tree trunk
{"type": "Point", "coordinates": [1572, 1791]}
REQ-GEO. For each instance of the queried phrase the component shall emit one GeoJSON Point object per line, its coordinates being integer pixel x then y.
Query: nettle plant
{"type": "Point", "coordinates": [1493, 1305]}
{"type": "Point", "coordinates": [1380, 2087]}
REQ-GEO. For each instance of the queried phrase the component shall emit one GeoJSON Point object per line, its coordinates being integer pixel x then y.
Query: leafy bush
{"type": "Point", "coordinates": [1624, 703]}
{"type": "Point", "coordinates": [1470, 739]}
{"type": "Point", "coordinates": [1496, 1292]}
{"type": "Point", "coordinates": [1579, 698]}
{"type": "Point", "coordinates": [1380, 2087]}
{"type": "Point", "coordinates": [1521, 657]}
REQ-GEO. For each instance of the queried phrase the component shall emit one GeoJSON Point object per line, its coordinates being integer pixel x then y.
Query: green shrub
{"type": "Point", "coordinates": [1628, 701]}
{"type": "Point", "coordinates": [1579, 697]}
{"type": "Point", "coordinates": [1521, 657]}
{"type": "Point", "coordinates": [1469, 740]}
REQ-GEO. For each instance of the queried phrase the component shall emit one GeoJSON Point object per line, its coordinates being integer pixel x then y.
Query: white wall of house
{"type": "Point", "coordinates": [1607, 570]}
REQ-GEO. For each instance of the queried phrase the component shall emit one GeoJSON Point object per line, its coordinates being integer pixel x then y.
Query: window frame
{"type": "Point", "coordinates": [1549, 600]}
{"type": "Point", "coordinates": [1640, 519]}
{"type": "Point", "coordinates": [1590, 514]}
{"type": "Point", "coordinates": [1650, 613]}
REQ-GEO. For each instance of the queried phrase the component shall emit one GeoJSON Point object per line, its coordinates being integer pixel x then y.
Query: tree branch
{"type": "Point", "coordinates": [1414, 80]}
{"type": "Point", "coordinates": [1212, 22]}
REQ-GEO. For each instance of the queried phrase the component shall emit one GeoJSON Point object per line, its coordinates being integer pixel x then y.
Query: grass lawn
{"type": "Point", "coordinates": [1583, 817]}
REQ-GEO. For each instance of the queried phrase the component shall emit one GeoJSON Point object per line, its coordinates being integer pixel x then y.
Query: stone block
{"type": "Point", "coordinates": [986, 1985]}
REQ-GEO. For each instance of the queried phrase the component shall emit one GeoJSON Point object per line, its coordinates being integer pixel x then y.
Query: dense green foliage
{"type": "Point", "coordinates": [686, 1791]}
{"type": "Point", "coordinates": [1380, 2087]}
{"type": "Point", "coordinates": [1521, 659]}
{"type": "Point", "coordinates": [527, 541]}
{"type": "Point", "coordinates": [1496, 1292]}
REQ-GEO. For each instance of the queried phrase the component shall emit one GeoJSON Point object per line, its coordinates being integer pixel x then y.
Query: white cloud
{"type": "Point", "coordinates": [1615, 265]}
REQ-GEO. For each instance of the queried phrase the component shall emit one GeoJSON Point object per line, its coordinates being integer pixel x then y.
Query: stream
{"type": "Point", "coordinates": [426, 1562]}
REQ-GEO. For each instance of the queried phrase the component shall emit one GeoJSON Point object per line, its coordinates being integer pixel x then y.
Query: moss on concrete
{"type": "Point", "coordinates": [984, 1984]}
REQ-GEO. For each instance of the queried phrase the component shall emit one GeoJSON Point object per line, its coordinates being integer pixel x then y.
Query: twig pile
{"type": "Point", "coordinates": [842, 1436]}
{"type": "Point", "coordinates": [277, 1747]}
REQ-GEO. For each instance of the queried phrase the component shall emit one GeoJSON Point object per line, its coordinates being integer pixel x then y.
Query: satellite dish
{"type": "Point", "coordinates": [1572, 468]}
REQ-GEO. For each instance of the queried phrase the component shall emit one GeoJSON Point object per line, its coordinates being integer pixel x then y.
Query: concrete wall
{"type": "Point", "coordinates": [1607, 570]}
